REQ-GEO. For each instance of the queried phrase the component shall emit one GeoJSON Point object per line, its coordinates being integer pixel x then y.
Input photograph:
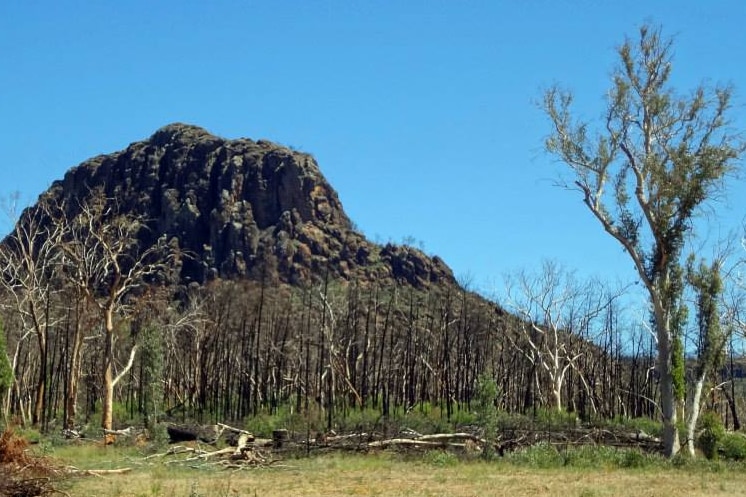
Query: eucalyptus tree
{"type": "Point", "coordinates": [655, 159]}
{"type": "Point", "coordinates": [711, 336]}
{"type": "Point", "coordinates": [29, 256]}
{"type": "Point", "coordinates": [104, 259]}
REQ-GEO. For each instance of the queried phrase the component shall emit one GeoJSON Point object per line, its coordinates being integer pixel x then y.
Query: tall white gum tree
{"type": "Point", "coordinates": [103, 259]}
{"type": "Point", "coordinates": [654, 160]}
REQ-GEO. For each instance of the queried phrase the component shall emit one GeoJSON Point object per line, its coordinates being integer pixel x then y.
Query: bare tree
{"type": "Point", "coordinates": [28, 258]}
{"type": "Point", "coordinates": [556, 312]}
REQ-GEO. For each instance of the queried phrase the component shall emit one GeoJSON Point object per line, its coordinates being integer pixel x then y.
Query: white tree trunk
{"type": "Point", "coordinates": [671, 443]}
{"type": "Point", "coordinates": [694, 409]}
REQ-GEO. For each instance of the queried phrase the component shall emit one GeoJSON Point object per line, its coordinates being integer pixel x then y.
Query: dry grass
{"type": "Point", "coordinates": [386, 476]}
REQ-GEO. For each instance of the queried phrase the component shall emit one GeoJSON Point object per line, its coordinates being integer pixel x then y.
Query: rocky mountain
{"type": "Point", "coordinates": [241, 209]}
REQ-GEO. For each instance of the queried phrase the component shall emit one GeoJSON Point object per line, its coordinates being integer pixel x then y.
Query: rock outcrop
{"type": "Point", "coordinates": [242, 209]}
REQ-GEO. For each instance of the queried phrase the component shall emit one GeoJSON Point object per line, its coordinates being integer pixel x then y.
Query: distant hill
{"type": "Point", "coordinates": [242, 209]}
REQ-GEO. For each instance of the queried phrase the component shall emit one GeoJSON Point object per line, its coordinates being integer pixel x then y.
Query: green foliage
{"type": "Point", "coordinates": [31, 435]}
{"type": "Point", "coordinates": [541, 455]}
{"type": "Point", "coordinates": [597, 456]}
{"type": "Point", "coordinates": [633, 459]}
{"type": "Point", "coordinates": [672, 293]}
{"type": "Point", "coordinates": [711, 435]}
{"type": "Point", "coordinates": [645, 171]}
{"type": "Point", "coordinates": [441, 458]}
{"type": "Point", "coordinates": [734, 446]}
{"type": "Point", "coordinates": [678, 368]}
{"type": "Point", "coordinates": [428, 418]}
{"type": "Point", "coordinates": [487, 416]}
{"type": "Point", "coordinates": [284, 417]}
{"type": "Point", "coordinates": [544, 455]}
{"type": "Point", "coordinates": [151, 371]}
{"type": "Point", "coordinates": [360, 420]}
{"type": "Point", "coordinates": [708, 286]}
{"type": "Point", "coordinates": [552, 419]}
{"type": "Point", "coordinates": [158, 437]}
{"type": "Point", "coordinates": [121, 411]}
{"type": "Point", "coordinates": [645, 425]}
{"type": "Point", "coordinates": [424, 418]}
{"type": "Point", "coordinates": [6, 371]}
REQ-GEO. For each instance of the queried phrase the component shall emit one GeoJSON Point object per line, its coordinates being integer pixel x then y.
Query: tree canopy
{"type": "Point", "coordinates": [645, 171]}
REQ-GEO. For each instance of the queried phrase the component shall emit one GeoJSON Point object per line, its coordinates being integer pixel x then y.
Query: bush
{"type": "Point", "coordinates": [22, 474]}
{"type": "Point", "coordinates": [646, 425]}
{"type": "Point", "coordinates": [633, 459]}
{"type": "Point", "coordinates": [360, 420]}
{"type": "Point", "coordinates": [554, 420]}
{"type": "Point", "coordinates": [734, 446]}
{"type": "Point", "coordinates": [541, 455]}
{"type": "Point", "coordinates": [712, 433]}
{"type": "Point", "coordinates": [441, 458]}
{"type": "Point", "coordinates": [487, 416]}
{"type": "Point", "coordinates": [264, 423]}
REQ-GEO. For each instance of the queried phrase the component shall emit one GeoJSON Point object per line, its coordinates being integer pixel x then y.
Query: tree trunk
{"type": "Point", "coordinates": [694, 414]}
{"type": "Point", "coordinates": [108, 400]}
{"type": "Point", "coordinates": [671, 444]}
{"type": "Point", "coordinates": [557, 392]}
{"type": "Point", "coordinates": [41, 384]}
{"type": "Point", "coordinates": [73, 375]}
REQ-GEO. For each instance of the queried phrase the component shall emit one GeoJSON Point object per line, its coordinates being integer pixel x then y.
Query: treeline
{"type": "Point", "coordinates": [230, 350]}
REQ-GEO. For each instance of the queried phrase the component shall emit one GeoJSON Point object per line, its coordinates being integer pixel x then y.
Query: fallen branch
{"type": "Point", "coordinates": [451, 436]}
{"type": "Point", "coordinates": [177, 449]}
{"type": "Point", "coordinates": [100, 472]}
{"type": "Point", "coordinates": [126, 432]}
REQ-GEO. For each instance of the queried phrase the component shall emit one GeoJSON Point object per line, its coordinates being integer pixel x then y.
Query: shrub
{"type": "Point", "coordinates": [441, 458]}
{"type": "Point", "coordinates": [734, 446]}
{"type": "Point", "coordinates": [541, 455]}
{"type": "Point", "coordinates": [487, 417]}
{"type": "Point", "coordinates": [646, 425]}
{"type": "Point", "coordinates": [593, 456]}
{"type": "Point", "coordinates": [22, 474]}
{"type": "Point", "coordinates": [712, 433]}
{"type": "Point", "coordinates": [552, 419]}
{"type": "Point", "coordinates": [13, 449]}
{"type": "Point", "coordinates": [633, 459]}
{"type": "Point", "coordinates": [360, 420]}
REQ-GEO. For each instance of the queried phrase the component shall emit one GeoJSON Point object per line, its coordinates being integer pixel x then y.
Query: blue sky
{"type": "Point", "coordinates": [422, 114]}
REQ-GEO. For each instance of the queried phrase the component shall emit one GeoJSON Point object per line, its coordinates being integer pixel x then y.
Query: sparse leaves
{"type": "Point", "coordinates": [666, 155]}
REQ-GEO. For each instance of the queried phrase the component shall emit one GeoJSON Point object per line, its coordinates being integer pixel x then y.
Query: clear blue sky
{"type": "Point", "coordinates": [422, 114]}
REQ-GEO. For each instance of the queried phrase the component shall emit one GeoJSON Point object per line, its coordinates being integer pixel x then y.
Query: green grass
{"type": "Point", "coordinates": [433, 474]}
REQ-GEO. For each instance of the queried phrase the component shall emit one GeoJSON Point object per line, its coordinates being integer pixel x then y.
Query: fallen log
{"type": "Point", "coordinates": [126, 432]}
{"type": "Point", "coordinates": [99, 472]}
{"type": "Point", "coordinates": [409, 442]}
{"type": "Point", "coordinates": [451, 436]}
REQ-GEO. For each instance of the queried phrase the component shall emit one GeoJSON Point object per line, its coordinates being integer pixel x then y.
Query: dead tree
{"type": "Point", "coordinates": [553, 309]}
{"type": "Point", "coordinates": [28, 259]}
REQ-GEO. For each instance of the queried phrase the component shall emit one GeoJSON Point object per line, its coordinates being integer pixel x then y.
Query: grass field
{"type": "Point", "coordinates": [391, 475]}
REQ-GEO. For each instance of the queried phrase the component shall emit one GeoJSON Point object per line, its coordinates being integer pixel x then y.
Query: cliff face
{"type": "Point", "coordinates": [241, 208]}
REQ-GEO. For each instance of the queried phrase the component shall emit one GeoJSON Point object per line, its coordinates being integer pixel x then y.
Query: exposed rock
{"type": "Point", "coordinates": [242, 208]}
